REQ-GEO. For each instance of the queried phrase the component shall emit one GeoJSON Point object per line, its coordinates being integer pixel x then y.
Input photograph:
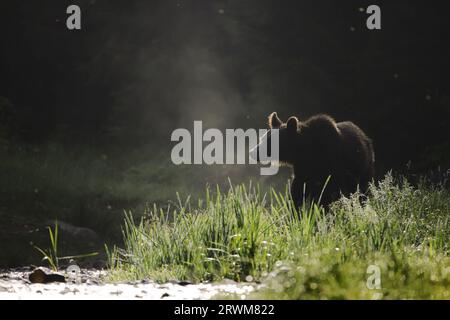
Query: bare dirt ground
{"type": "Point", "coordinates": [15, 285]}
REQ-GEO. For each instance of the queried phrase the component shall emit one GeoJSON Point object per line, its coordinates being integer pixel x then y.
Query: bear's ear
{"type": "Point", "coordinates": [292, 124]}
{"type": "Point", "coordinates": [274, 121]}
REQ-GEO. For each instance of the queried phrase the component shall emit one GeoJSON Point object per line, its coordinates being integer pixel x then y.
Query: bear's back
{"type": "Point", "coordinates": [319, 146]}
{"type": "Point", "coordinates": [357, 152]}
{"type": "Point", "coordinates": [320, 129]}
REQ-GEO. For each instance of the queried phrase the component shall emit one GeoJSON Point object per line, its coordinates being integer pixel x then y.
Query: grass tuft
{"type": "Point", "coordinates": [314, 253]}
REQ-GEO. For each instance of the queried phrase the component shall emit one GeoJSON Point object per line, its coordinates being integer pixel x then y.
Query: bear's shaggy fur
{"type": "Point", "coordinates": [318, 149]}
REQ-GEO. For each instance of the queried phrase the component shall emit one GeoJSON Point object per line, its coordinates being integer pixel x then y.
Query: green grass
{"type": "Point", "coordinates": [51, 254]}
{"type": "Point", "coordinates": [245, 234]}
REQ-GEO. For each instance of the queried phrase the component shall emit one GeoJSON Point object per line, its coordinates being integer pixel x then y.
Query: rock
{"type": "Point", "coordinates": [180, 283]}
{"type": "Point", "coordinates": [4, 289]}
{"type": "Point", "coordinates": [39, 276]}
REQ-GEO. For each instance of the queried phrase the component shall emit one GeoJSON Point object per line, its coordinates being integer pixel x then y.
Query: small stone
{"type": "Point", "coordinates": [4, 289]}
{"type": "Point", "coordinates": [39, 276]}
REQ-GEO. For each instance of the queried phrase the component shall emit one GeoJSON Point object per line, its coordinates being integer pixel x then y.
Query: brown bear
{"type": "Point", "coordinates": [328, 158]}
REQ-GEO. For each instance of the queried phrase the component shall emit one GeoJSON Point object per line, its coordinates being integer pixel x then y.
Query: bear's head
{"type": "Point", "coordinates": [288, 138]}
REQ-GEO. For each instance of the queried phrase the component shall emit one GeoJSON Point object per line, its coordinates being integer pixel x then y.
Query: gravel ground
{"type": "Point", "coordinates": [14, 285]}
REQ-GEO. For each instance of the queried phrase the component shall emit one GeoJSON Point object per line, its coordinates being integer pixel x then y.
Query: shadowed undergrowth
{"type": "Point", "coordinates": [90, 187]}
{"type": "Point", "coordinates": [246, 235]}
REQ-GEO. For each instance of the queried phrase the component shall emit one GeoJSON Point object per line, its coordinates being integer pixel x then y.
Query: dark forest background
{"type": "Point", "coordinates": [140, 69]}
